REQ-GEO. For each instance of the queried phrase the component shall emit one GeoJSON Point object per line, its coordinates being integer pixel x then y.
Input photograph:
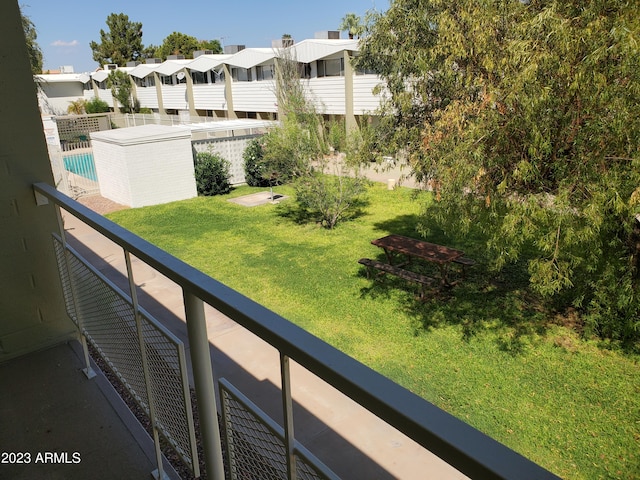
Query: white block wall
{"type": "Point", "coordinates": [146, 165]}
{"type": "Point", "coordinates": [231, 149]}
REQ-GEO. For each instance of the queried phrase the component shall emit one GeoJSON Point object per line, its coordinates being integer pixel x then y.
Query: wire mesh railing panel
{"type": "Point", "coordinates": [255, 443]}
{"type": "Point", "coordinates": [254, 451]}
{"type": "Point", "coordinates": [65, 280]}
{"type": "Point", "coordinates": [170, 390]}
{"type": "Point", "coordinates": [106, 317]}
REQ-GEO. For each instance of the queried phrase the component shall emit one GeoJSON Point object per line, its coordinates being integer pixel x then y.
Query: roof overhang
{"type": "Point", "coordinates": [204, 63]}
{"type": "Point", "coordinates": [309, 51]}
{"type": "Point", "coordinates": [144, 70]}
{"type": "Point", "coordinates": [250, 57]}
{"type": "Point", "coordinates": [100, 76]}
{"type": "Point", "coordinates": [172, 66]}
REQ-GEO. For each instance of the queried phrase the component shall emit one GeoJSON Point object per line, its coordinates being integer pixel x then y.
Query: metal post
{"type": "Point", "coordinates": [158, 474]}
{"type": "Point", "coordinates": [287, 407]}
{"type": "Point", "coordinates": [88, 371]}
{"type": "Point", "coordinates": [203, 379]}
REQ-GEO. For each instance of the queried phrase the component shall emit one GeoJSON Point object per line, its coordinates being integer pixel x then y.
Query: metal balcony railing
{"type": "Point", "coordinates": [463, 447]}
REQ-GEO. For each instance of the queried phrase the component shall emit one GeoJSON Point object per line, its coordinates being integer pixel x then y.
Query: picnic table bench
{"type": "Point", "coordinates": [409, 248]}
{"type": "Point", "coordinates": [408, 275]}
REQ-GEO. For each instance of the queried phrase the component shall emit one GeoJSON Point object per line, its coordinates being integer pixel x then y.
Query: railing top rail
{"type": "Point", "coordinates": [462, 446]}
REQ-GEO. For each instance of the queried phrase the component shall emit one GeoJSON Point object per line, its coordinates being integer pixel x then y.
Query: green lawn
{"type": "Point", "coordinates": [486, 351]}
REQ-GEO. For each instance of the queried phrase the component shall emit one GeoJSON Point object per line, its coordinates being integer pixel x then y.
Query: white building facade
{"type": "Point", "coordinates": [240, 84]}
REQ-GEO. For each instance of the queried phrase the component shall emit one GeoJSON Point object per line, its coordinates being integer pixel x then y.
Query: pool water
{"type": "Point", "coordinates": [81, 164]}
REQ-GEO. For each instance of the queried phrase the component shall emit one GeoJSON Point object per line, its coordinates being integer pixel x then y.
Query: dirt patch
{"type": "Point", "coordinates": [100, 204]}
{"type": "Point", "coordinates": [259, 198]}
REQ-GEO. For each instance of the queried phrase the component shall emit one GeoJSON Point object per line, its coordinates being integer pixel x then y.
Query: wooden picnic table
{"type": "Point", "coordinates": [413, 248]}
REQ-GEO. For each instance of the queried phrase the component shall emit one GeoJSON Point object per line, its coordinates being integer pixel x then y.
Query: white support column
{"type": "Point", "coordinates": [203, 379]}
{"type": "Point", "coordinates": [287, 408]}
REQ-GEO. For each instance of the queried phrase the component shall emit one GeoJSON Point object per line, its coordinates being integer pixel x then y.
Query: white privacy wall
{"type": "Point", "coordinates": [145, 165]}
{"type": "Point", "coordinates": [232, 150]}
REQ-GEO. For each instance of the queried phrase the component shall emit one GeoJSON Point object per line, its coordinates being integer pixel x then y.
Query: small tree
{"type": "Point", "coordinates": [122, 91]}
{"type": "Point", "coordinates": [330, 198]}
{"type": "Point", "coordinates": [212, 174]}
{"type": "Point", "coordinates": [77, 107]}
{"type": "Point", "coordinates": [337, 136]}
{"type": "Point", "coordinates": [289, 151]}
{"type": "Point", "coordinates": [352, 24]}
{"type": "Point", "coordinates": [254, 167]}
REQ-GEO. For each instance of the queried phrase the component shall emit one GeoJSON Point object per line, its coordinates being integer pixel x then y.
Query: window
{"type": "Point", "coordinates": [217, 76]}
{"type": "Point", "coordinates": [166, 79]}
{"type": "Point", "coordinates": [87, 86]}
{"type": "Point", "coordinates": [331, 68]}
{"type": "Point", "coordinates": [304, 70]}
{"type": "Point", "coordinates": [264, 72]}
{"type": "Point", "coordinates": [102, 85]}
{"type": "Point", "coordinates": [241, 74]}
{"type": "Point", "coordinates": [144, 82]}
{"type": "Point", "coordinates": [199, 77]}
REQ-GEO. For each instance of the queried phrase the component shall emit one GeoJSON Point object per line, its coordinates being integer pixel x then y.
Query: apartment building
{"type": "Point", "coordinates": [237, 84]}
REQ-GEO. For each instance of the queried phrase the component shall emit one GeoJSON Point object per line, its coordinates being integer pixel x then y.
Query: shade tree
{"type": "Point", "coordinates": [522, 116]}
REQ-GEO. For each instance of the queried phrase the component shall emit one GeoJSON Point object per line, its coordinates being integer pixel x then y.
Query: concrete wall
{"type": "Point", "coordinates": [32, 313]}
{"type": "Point", "coordinates": [57, 96]}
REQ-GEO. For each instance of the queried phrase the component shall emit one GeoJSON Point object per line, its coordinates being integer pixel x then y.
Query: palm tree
{"type": "Point", "coordinates": [77, 107]}
{"type": "Point", "coordinates": [352, 24]}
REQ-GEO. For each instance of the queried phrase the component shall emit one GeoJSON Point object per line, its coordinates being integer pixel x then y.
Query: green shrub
{"type": "Point", "coordinates": [96, 105]}
{"type": "Point", "coordinates": [253, 164]}
{"type": "Point", "coordinates": [212, 174]}
{"type": "Point", "coordinates": [330, 198]}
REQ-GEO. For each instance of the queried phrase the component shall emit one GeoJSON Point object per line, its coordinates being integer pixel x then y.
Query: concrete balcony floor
{"type": "Point", "coordinates": [48, 406]}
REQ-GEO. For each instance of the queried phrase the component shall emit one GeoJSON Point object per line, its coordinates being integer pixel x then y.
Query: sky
{"type": "Point", "coordinates": [65, 27]}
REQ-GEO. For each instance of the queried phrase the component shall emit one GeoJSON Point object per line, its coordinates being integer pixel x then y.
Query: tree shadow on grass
{"type": "Point", "coordinates": [500, 303]}
{"type": "Point", "coordinates": [406, 225]}
{"type": "Point", "coordinates": [482, 301]}
{"type": "Point", "coordinates": [300, 215]}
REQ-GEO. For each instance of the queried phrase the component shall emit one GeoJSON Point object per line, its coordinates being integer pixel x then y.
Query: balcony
{"type": "Point", "coordinates": [273, 401]}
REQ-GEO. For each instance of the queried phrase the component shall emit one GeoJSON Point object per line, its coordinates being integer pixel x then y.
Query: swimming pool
{"type": "Point", "coordinates": [81, 164]}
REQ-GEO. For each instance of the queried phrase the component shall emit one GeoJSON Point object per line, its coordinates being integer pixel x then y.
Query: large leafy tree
{"type": "Point", "coordinates": [523, 116]}
{"type": "Point", "coordinates": [181, 44]}
{"type": "Point", "coordinates": [177, 44]}
{"type": "Point", "coordinates": [121, 44]}
{"type": "Point", "coordinates": [214, 45]}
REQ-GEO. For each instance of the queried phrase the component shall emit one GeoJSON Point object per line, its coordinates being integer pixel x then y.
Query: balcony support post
{"type": "Point", "coordinates": [287, 407]}
{"type": "Point", "coordinates": [159, 473]}
{"type": "Point", "coordinates": [203, 379]}
{"type": "Point", "coordinates": [88, 371]}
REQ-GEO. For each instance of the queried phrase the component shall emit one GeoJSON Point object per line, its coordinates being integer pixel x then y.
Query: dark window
{"type": "Point", "coordinates": [264, 72]}
{"type": "Point", "coordinates": [199, 77]}
{"type": "Point", "coordinates": [241, 74]}
{"type": "Point", "coordinates": [331, 68]}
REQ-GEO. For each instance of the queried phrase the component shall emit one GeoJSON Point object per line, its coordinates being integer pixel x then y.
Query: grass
{"type": "Point", "coordinates": [487, 351]}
